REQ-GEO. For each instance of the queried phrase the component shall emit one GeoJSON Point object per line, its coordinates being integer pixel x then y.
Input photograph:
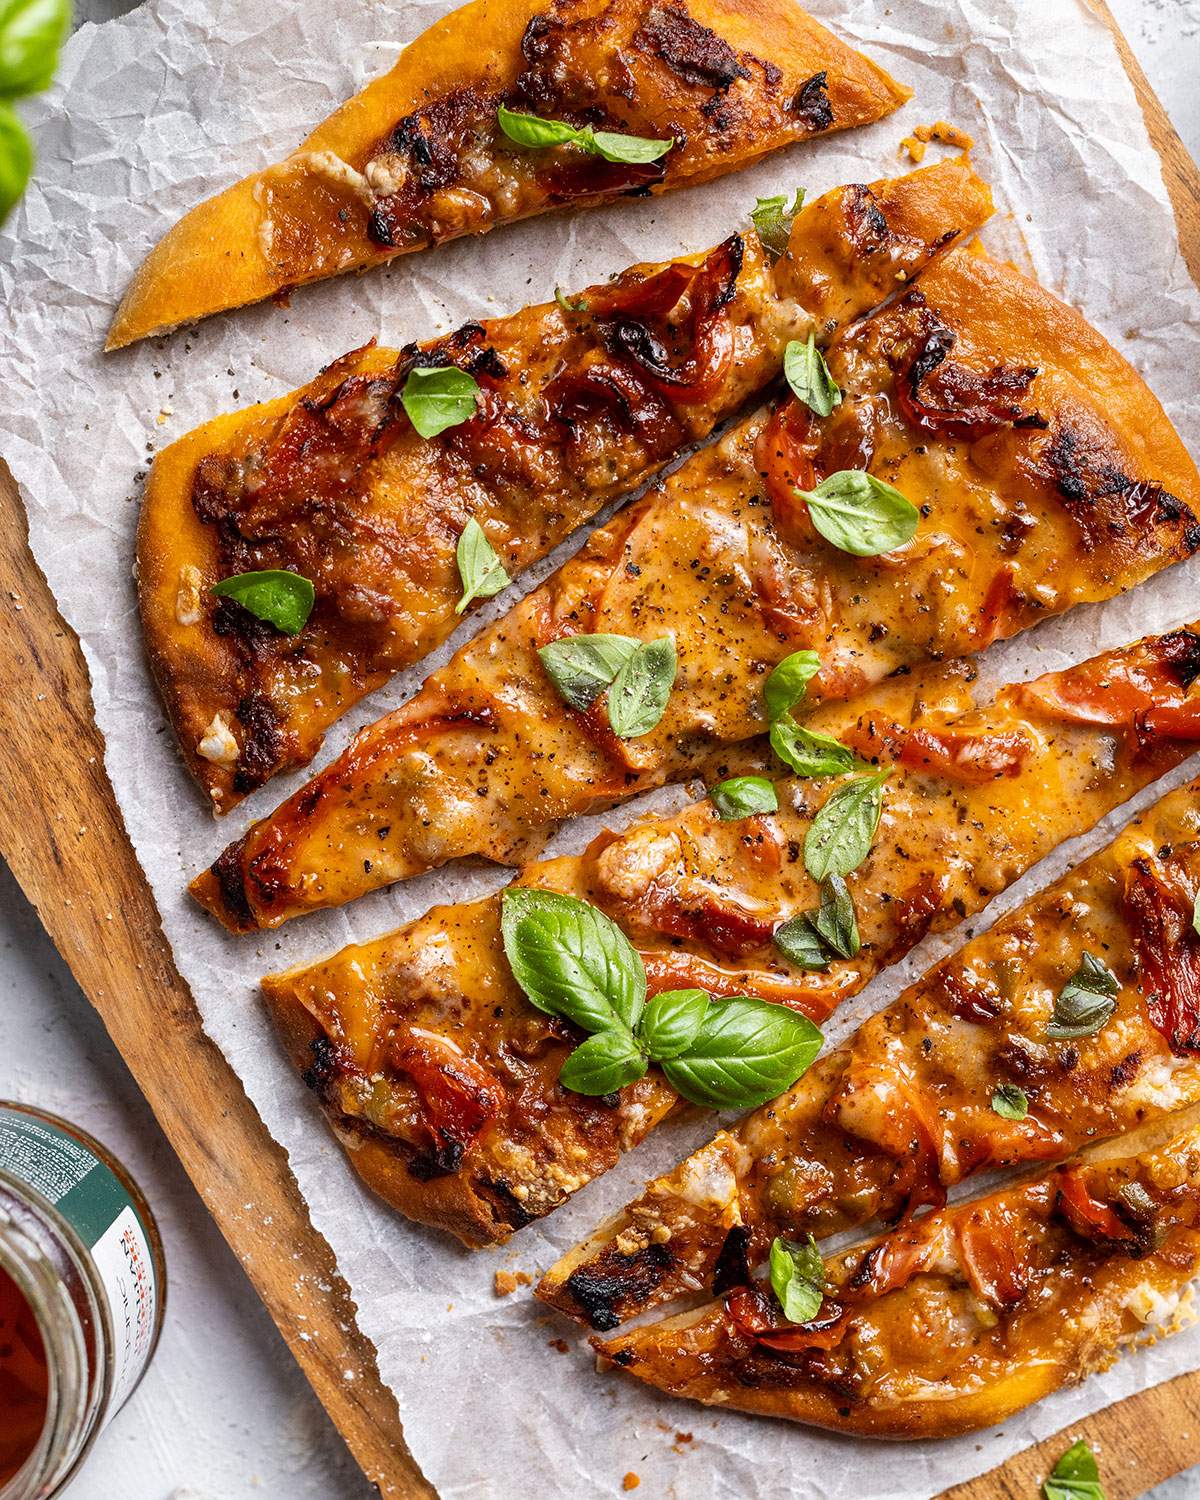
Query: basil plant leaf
{"type": "Point", "coordinates": [671, 1020]}
{"type": "Point", "coordinates": [572, 960]}
{"type": "Point", "coordinates": [582, 666]}
{"type": "Point", "coordinates": [788, 683]}
{"type": "Point", "coordinates": [808, 753]}
{"type": "Point", "coordinates": [638, 697]}
{"type": "Point", "coordinates": [16, 159]}
{"type": "Point", "coordinates": [839, 838]}
{"type": "Point", "coordinates": [798, 1278]}
{"type": "Point", "coordinates": [743, 796]}
{"type": "Point", "coordinates": [1010, 1102]}
{"type": "Point", "coordinates": [532, 130]}
{"type": "Point", "coordinates": [801, 944]}
{"type": "Point", "coordinates": [772, 220]}
{"type": "Point", "coordinates": [282, 599]}
{"type": "Point", "coordinates": [836, 922]}
{"type": "Point", "coordinates": [479, 567]}
{"type": "Point", "coordinates": [808, 375]}
{"type": "Point", "coordinates": [31, 32]}
{"type": "Point", "coordinates": [746, 1052]}
{"type": "Point", "coordinates": [438, 397]}
{"type": "Point", "coordinates": [603, 1063]}
{"type": "Point", "coordinates": [1087, 1000]}
{"type": "Point", "coordinates": [860, 514]}
{"type": "Point", "coordinates": [1076, 1476]}
{"type": "Point", "coordinates": [578, 306]}
{"type": "Point", "coordinates": [612, 145]}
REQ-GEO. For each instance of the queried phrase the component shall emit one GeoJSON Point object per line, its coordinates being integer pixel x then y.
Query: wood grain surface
{"type": "Point", "coordinates": [63, 837]}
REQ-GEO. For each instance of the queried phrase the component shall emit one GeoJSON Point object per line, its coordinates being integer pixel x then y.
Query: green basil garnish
{"type": "Point", "coordinates": [671, 1020]}
{"type": "Point", "coordinates": [798, 1278]}
{"type": "Point", "coordinates": [801, 944]}
{"type": "Point", "coordinates": [437, 397]}
{"type": "Point", "coordinates": [578, 306]}
{"type": "Point", "coordinates": [532, 130]}
{"type": "Point", "coordinates": [572, 960]}
{"type": "Point", "coordinates": [282, 599]}
{"type": "Point", "coordinates": [16, 158]}
{"type": "Point", "coordinates": [1087, 1000]}
{"type": "Point", "coordinates": [1010, 1102]}
{"type": "Point", "coordinates": [638, 697]}
{"type": "Point", "coordinates": [860, 514]}
{"type": "Point", "coordinates": [787, 684]}
{"type": "Point", "coordinates": [743, 796]}
{"type": "Point", "coordinates": [1196, 914]}
{"type": "Point", "coordinates": [746, 1052]}
{"type": "Point", "coordinates": [808, 753]}
{"type": "Point", "coordinates": [839, 838]}
{"type": "Point", "coordinates": [808, 375]}
{"type": "Point", "coordinates": [772, 220]}
{"type": "Point", "coordinates": [480, 569]}
{"type": "Point", "coordinates": [815, 938]}
{"type": "Point", "coordinates": [1076, 1476]}
{"type": "Point", "coordinates": [31, 32]}
{"type": "Point", "coordinates": [582, 666]}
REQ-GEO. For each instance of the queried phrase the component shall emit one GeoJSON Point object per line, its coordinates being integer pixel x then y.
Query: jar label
{"type": "Point", "coordinates": [93, 1200]}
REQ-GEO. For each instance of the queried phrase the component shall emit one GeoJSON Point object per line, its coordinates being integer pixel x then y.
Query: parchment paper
{"type": "Point", "coordinates": [180, 98]}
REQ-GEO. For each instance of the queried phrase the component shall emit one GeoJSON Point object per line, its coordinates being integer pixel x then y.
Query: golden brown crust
{"type": "Point", "coordinates": [339, 203]}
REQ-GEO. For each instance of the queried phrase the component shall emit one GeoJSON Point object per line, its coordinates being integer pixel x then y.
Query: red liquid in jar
{"type": "Point", "coordinates": [23, 1379]}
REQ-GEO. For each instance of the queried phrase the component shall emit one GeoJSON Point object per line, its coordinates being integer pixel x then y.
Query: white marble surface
{"type": "Point", "coordinates": [223, 1413]}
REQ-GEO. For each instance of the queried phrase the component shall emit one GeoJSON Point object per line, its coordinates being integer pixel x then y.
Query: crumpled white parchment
{"type": "Point", "coordinates": [156, 110]}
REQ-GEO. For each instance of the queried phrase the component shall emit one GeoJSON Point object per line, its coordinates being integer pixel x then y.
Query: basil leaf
{"type": "Point", "coordinates": [480, 569]}
{"type": "Point", "coordinates": [16, 159]}
{"type": "Point", "coordinates": [772, 219]}
{"type": "Point", "coordinates": [612, 145]}
{"type": "Point", "coordinates": [1196, 914]}
{"type": "Point", "coordinates": [31, 32]}
{"type": "Point", "coordinates": [638, 696]}
{"type": "Point", "coordinates": [603, 1064]}
{"type": "Point", "coordinates": [1010, 1102]}
{"type": "Point", "coordinates": [746, 1052]}
{"type": "Point", "coordinates": [808, 375]}
{"type": "Point", "coordinates": [861, 514]}
{"type": "Point", "coordinates": [836, 923]}
{"type": "Point", "coordinates": [671, 1020]}
{"type": "Point", "coordinates": [788, 683]}
{"type": "Point", "coordinates": [282, 599]}
{"type": "Point", "coordinates": [800, 942]}
{"type": "Point", "coordinates": [1086, 1002]}
{"type": "Point", "coordinates": [743, 796]}
{"type": "Point", "coordinates": [582, 666]}
{"type": "Point", "coordinates": [1076, 1476]}
{"type": "Point", "coordinates": [578, 306]}
{"type": "Point", "coordinates": [809, 753]}
{"type": "Point", "coordinates": [437, 397]}
{"type": "Point", "coordinates": [571, 960]}
{"type": "Point", "coordinates": [839, 838]}
{"type": "Point", "coordinates": [798, 1279]}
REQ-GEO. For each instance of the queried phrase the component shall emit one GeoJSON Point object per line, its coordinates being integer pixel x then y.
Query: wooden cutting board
{"type": "Point", "coordinates": [63, 837]}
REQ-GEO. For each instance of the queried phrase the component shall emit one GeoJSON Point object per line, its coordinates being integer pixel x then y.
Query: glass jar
{"type": "Point", "coordinates": [82, 1290]}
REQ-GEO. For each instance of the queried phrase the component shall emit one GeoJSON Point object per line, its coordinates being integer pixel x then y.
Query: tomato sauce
{"type": "Point", "coordinates": [24, 1379]}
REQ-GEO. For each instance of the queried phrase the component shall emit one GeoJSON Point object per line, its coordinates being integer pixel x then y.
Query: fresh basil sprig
{"type": "Point", "coordinates": [482, 573]}
{"type": "Point", "coordinates": [1087, 1000]}
{"type": "Point", "coordinates": [787, 684]}
{"type": "Point", "coordinates": [638, 674]}
{"type": "Point", "coordinates": [815, 938]}
{"type": "Point", "coordinates": [437, 397]}
{"type": "Point", "coordinates": [612, 145]}
{"type": "Point", "coordinates": [808, 753]}
{"type": "Point", "coordinates": [839, 838]}
{"type": "Point", "coordinates": [31, 33]}
{"type": "Point", "coordinates": [282, 599]}
{"type": "Point", "coordinates": [798, 1278]}
{"type": "Point", "coordinates": [743, 796]}
{"type": "Point", "coordinates": [574, 961]}
{"type": "Point", "coordinates": [808, 375]}
{"type": "Point", "coordinates": [1076, 1476]}
{"type": "Point", "coordinates": [860, 514]}
{"type": "Point", "coordinates": [772, 219]}
{"type": "Point", "coordinates": [1010, 1102]}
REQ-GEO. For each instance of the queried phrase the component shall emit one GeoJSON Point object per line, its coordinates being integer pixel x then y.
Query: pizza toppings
{"type": "Point", "coordinates": [1162, 914]}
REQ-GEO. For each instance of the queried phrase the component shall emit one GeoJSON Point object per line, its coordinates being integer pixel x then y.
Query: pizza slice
{"type": "Point", "coordinates": [501, 110]}
{"type": "Point", "coordinates": [957, 1320]}
{"type": "Point", "coordinates": [561, 408]}
{"type": "Point", "coordinates": [441, 1079]}
{"type": "Point", "coordinates": [1075, 1018]}
{"type": "Point", "coordinates": [1035, 466]}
